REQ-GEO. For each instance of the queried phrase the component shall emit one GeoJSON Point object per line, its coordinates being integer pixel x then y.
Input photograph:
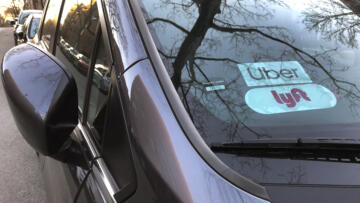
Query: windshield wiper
{"type": "Point", "coordinates": [319, 149]}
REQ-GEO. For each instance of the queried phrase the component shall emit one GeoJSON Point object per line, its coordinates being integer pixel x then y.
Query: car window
{"type": "Point", "coordinates": [23, 17]}
{"type": "Point", "coordinates": [50, 22]}
{"type": "Point", "coordinates": [76, 40]}
{"type": "Point", "coordinates": [100, 85]}
{"type": "Point", "coordinates": [34, 25]}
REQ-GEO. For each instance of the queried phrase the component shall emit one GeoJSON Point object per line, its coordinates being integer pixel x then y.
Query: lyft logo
{"type": "Point", "coordinates": [290, 99]}
{"type": "Point", "coordinates": [273, 73]}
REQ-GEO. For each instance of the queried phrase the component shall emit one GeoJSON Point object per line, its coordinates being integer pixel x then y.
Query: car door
{"type": "Point", "coordinates": [79, 44]}
{"type": "Point", "coordinates": [62, 181]}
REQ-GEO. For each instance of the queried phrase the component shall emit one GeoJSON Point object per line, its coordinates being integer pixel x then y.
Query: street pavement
{"type": "Point", "coordinates": [20, 177]}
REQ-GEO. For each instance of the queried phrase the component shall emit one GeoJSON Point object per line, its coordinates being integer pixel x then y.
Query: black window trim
{"type": "Point", "coordinates": [85, 122]}
{"type": "Point", "coordinates": [102, 33]}
{"type": "Point", "coordinates": [90, 74]}
{"type": "Point", "coordinates": [42, 21]}
{"type": "Point", "coordinates": [54, 39]}
{"type": "Point", "coordinates": [53, 51]}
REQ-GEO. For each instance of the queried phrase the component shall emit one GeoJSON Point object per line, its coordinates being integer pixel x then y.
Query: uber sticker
{"type": "Point", "coordinates": [273, 73]}
{"type": "Point", "coordinates": [292, 98]}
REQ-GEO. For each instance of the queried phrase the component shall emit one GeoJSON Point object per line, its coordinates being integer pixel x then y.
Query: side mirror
{"type": "Point", "coordinates": [42, 97]}
{"type": "Point", "coordinates": [12, 22]}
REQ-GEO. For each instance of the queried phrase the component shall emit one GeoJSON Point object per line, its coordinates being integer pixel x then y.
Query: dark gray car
{"type": "Point", "coordinates": [192, 101]}
{"type": "Point", "coordinates": [30, 28]}
{"type": "Point", "coordinates": [19, 24]}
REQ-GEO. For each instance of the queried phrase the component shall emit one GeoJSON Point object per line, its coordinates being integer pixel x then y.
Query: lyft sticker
{"type": "Point", "coordinates": [292, 98]}
{"type": "Point", "coordinates": [273, 73]}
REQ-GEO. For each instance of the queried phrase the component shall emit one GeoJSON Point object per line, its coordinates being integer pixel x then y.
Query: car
{"type": "Point", "coordinates": [19, 24]}
{"type": "Point", "coordinates": [249, 101]}
{"type": "Point", "coordinates": [30, 28]}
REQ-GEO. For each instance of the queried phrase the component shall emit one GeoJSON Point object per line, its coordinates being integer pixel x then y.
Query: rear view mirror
{"type": "Point", "coordinates": [42, 97]}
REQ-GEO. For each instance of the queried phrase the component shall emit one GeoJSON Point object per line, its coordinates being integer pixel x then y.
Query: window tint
{"type": "Point", "coordinates": [51, 17]}
{"type": "Point", "coordinates": [100, 85]}
{"type": "Point", "coordinates": [76, 41]}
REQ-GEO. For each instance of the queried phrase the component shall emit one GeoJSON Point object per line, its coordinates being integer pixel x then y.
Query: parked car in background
{"type": "Point", "coordinates": [30, 28]}
{"type": "Point", "coordinates": [19, 24]}
{"type": "Point", "coordinates": [206, 101]}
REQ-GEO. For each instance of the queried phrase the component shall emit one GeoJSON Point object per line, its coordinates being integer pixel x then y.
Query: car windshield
{"type": "Point", "coordinates": [257, 69]}
{"type": "Point", "coordinates": [24, 15]}
{"type": "Point", "coordinates": [34, 27]}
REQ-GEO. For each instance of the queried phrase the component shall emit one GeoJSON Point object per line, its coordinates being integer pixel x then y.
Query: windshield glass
{"type": "Point", "coordinates": [267, 70]}
{"type": "Point", "coordinates": [262, 68]}
{"type": "Point", "coordinates": [34, 27]}
{"type": "Point", "coordinates": [23, 18]}
{"type": "Point", "coordinates": [25, 14]}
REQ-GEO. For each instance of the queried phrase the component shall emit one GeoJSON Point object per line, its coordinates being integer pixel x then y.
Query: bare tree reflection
{"type": "Point", "coordinates": [334, 19]}
{"type": "Point", "coordinates": [189, 59]}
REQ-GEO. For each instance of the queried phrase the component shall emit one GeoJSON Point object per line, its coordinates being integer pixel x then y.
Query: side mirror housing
{"type": "Point", "coordinates": [42, 97]}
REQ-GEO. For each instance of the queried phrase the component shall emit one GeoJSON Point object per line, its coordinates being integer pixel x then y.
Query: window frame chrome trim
{"type": "Point", "coordinates": [100, 171]}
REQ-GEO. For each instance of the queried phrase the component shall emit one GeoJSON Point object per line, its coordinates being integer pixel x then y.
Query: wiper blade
{"type": "Point", "coordinates": [319, 149]}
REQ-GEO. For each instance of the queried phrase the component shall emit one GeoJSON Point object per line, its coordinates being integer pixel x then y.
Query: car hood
{"type": "Point", "coordinates": [294, 181]}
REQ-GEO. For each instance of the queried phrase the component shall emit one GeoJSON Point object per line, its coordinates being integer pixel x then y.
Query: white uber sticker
{"type": "Point", "coordinates": [273, 73]}
{"type": "Point", "coordinates": [283, 99]}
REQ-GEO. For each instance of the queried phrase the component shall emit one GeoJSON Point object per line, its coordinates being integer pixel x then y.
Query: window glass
{"type": "Point", "coordinates": [266, 71]}
{"type": "Point", "coordinates": [52, 15]}
{"type": "Point", "coordinates": [25, 14]}
{"type": "Point", "coordinates": [23, 17]}
{"type": "Point", "coordinates": [100, 85]}
{"type": "Point", "coordinates": [257, 74]}
{"type": "Point", "coordinates": [76, 40]}
{"type": "Point", "coordinates": [34, 27]}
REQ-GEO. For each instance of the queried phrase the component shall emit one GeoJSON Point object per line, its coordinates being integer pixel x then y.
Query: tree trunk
{"type": "Point", "coordinates": [354, 5]}
{"type": "Point", "coordinates": [37, 4]}
{"type": "Point", "coordinates": [33, 4]}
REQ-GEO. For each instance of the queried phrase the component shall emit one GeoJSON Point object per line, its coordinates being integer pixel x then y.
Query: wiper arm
{"type": "Point", "coordinates": [336, 150]}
